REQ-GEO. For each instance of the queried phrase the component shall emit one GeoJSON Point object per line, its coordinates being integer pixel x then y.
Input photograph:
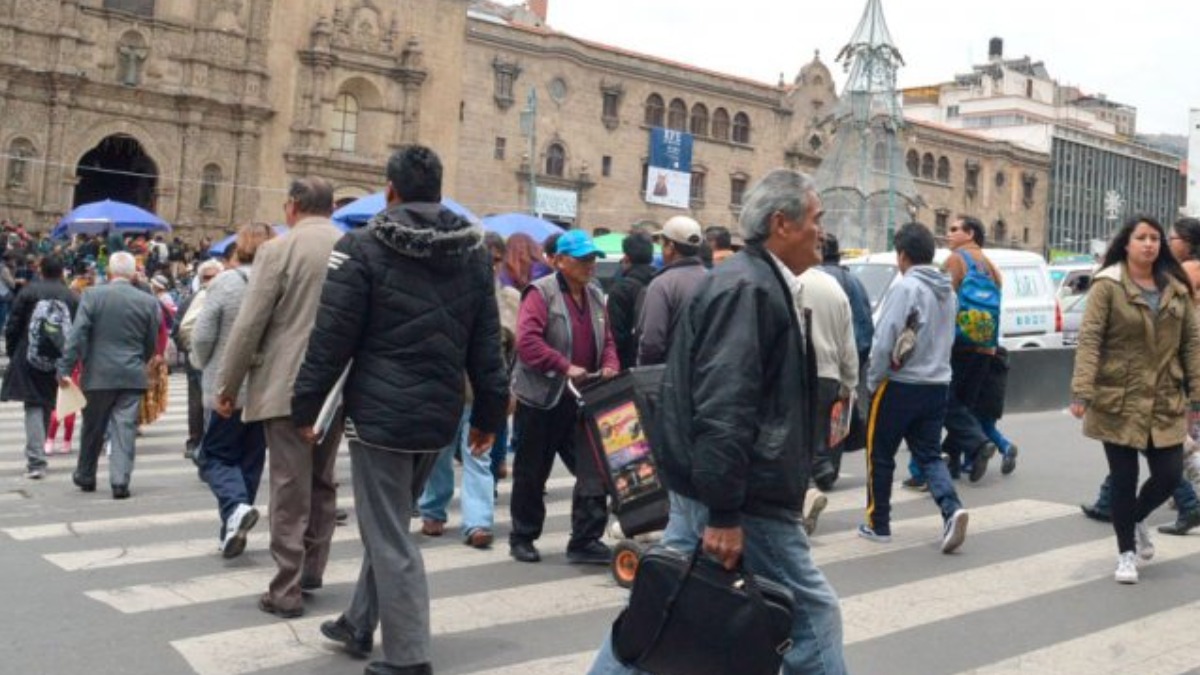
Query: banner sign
{"type": "Point", "coordinates": [669, 174]}
{"type": "Point", "coordinates": [554, 202]}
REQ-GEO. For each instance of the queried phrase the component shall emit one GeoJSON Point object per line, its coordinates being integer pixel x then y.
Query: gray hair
{"type": "Point", "coordinates": [210, 264]}
{"type": "Point", "coordinates": [312, 195]}
{"type": "Point", "coordinates": [122, 265]}
{"type": "Point", "coordinates": [781, 190]}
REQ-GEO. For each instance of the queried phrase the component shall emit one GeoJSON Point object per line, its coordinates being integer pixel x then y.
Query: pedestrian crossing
{"type": "Point", "coordinates": [1028, 561]}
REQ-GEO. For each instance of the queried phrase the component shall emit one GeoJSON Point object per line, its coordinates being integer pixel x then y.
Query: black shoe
{"type": "Point", "coordinates": [120, 491]}
{"type": "Point", "coordinates": [954, 466]}
{"type": "Point", "coordinates": [1186, 521]}
{"type": "Point", "coordinates": [382, 668]}
{"type": "Point", "coordinates": [340, 516]}
{"type": "Point", "coordinates": [1009, 463]}
{"type": "Point", "coordinates": [1095, 513]}
{"type": "Point", "coordinates": [524, 551]}
{"type": "Point", "coordinates": [592, 553]}
{"type": "Point", "coordinates": [84, 485]}
{"type": "Point", "coordinates": [979, 466]}
{"type": "Point", "coordinates": [825, 482]}
{"type": "Point", "coordinates": [354, 643]}
{"type": "Point", "coordinates": [308, 584]}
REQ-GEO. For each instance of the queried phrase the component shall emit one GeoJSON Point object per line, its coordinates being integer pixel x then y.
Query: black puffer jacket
{"type": "Point", "coordinates": [410, 297]}
{"type": "Point", "coordinates": [738, 406]}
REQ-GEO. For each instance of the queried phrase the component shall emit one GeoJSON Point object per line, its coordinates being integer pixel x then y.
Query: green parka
{"type": "Point", "coordinates": [1130, 364]}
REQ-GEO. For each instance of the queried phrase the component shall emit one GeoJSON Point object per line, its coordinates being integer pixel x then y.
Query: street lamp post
{"type": "Point", "coordinates": [529, 130]}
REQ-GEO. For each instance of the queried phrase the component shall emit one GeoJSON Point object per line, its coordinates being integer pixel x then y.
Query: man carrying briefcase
{"type": "Point", "coordinates": [738, 419]}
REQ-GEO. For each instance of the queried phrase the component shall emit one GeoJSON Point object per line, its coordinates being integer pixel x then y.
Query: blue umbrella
{"type": "Point", "coordinates": [359, 211]}
{"type": "Point", "coordinates": [508, 224]}
{"type": "Point", "coordinates": [218, 249]}
{"type": "Point", "coordinates": [105, 216]}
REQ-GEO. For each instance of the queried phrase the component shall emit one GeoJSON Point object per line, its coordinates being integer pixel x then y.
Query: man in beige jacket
{"type": "Point", "coordinates": [267, 345]}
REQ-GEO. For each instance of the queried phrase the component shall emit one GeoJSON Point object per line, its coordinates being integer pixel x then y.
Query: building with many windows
{"type": "Point", "coordinates": [1098, 176]}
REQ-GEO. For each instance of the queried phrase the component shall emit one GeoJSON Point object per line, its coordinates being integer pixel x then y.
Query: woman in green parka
{"type": "Point", "coordinates": [1137, 344]}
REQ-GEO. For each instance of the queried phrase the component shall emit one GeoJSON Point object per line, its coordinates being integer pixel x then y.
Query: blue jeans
{"type": "Point", "coordinates": [478, 501]}
{"type": "Point", "coordinates": [499, 452]}
{"type": "Point", "coordinates": [993, 434]}
{"type": "Point", "coordinates": [233, 453]}
{"type": "Point", "coordinates": [777, 550]}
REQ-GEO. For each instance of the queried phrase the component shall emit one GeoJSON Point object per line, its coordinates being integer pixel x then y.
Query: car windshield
{"type": "Point", "coordinates": [876, 278]}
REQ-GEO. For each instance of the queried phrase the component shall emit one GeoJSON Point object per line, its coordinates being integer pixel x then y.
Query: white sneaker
{"type": "Point", "coordinates": [35, 474]}
{"type": "Point", "coordinates": [243, 518]}
{"type": "Point", "coordinates": [1145, 547]}
{"type": "Point", "coordinates": [815, 502]}
{"type": "Point", "coordinates": [954, 533]}
{"type": "Point", "coordinates": [1127, 572]}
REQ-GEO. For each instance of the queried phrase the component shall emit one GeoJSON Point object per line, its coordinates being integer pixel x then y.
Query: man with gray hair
{"type": "Point", "coordinates": [738, 407]}
{"type": "Point", "coordinates": [114, 336]}
{"type": "Point", "coordinates": [267, 343]}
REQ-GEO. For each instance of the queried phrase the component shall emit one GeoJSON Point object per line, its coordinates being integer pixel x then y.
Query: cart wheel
{"type": "Point", "coordinates": [625, 562]}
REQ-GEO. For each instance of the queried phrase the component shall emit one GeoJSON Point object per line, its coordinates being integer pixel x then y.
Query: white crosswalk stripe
{"type": "Point", "coordinates": [142, 564]}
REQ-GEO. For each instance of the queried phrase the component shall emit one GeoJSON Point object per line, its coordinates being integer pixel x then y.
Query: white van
{"type": "Point", "coordinates": [1029, 311]}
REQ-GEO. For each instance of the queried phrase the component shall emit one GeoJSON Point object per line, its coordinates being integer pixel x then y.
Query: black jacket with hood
{"type": "Point", "coordinates": [411, 298]}
{"type": "Point", "coordinates": [738, 400]}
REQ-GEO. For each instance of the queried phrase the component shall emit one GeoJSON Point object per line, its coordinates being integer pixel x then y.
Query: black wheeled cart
{"type": "Point", "coordinates": [616, 418]}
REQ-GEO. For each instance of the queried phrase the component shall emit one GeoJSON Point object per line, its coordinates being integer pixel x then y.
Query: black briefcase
{"type": "Point", "coordinates": [688, 615]}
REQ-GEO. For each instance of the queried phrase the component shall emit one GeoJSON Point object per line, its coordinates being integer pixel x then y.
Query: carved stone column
{"type": "Point", "coordinates": [183, 181]}
{"type": "Point", "coordinates": [53, 197]}
{"type": "Point", "coordinates": [245, 193]}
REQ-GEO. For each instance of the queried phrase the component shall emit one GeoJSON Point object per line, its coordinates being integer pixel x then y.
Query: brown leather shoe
{"type": "Point", "coordinates": [432, 528]}
{"type": "Point", "coordinates": [267, 605]}
{"type": "Point", "coordinates": [480, 538]}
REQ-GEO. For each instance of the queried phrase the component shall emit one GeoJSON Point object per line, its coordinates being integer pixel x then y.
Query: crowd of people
{"type": "Point", "coordinates": [421, 340]}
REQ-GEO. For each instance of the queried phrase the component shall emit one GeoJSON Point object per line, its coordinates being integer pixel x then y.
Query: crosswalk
{"type": "Point", "coordinates": [1034, 580]}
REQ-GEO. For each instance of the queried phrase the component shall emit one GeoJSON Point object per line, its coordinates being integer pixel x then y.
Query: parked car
{"type": "Point", "coordinates": [1072, 278]}
{"type": "Point", "coordinates": [1029, 308]}
{"type": "Point", "coordinates": [1073, 307]}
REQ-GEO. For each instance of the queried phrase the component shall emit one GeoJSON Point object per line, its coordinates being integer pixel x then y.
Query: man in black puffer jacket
{"type": "Point", "coordinates": [409, 303]}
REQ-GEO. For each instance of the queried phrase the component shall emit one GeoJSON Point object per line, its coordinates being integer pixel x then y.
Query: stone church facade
{"type": "Point", "coordinates": [202, 110]}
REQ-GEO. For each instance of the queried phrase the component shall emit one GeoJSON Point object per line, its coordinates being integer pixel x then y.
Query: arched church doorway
{"type": "Point", "coordinates": [119, 169]}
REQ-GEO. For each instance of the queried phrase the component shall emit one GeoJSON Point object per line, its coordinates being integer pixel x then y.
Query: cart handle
{"type": "Point", "coordinates": [586, 378]}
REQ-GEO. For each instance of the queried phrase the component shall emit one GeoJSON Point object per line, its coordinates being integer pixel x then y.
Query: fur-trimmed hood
{"type": "Point", "coordinates": [426, 231]}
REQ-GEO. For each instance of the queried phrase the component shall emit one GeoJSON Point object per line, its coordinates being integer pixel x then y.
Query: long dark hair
{"type": "Point", "coordinates": [1188, 229]}
{"type": "Point", "coordinates": [1165, 265]}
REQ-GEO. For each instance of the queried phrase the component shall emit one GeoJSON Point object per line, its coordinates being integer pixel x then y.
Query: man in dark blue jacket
{"type": "Point", "coordinates": [409, 306]}
{"type": "Point", "coordinates": [738, 418]}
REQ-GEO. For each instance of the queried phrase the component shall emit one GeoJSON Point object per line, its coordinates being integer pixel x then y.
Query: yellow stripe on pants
{"type": "Point", "coordinates": [872, 420]}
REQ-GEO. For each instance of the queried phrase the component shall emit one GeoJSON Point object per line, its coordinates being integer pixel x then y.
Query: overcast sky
{"type": "Point", "coordinates": [1145, 54]}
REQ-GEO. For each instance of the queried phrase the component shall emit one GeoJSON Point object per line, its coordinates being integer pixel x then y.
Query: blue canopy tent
{"type": "Point", "coordinates": [218, 249]}
{"type": "Point", "coordinates": [106, 216]}
{"type": "Point", "coordinates": [359, 211]}
{"type": "Point", "coordinates": [508, 224]}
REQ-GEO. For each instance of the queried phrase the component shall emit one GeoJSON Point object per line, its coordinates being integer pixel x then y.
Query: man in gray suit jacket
{"type": "Point", "coordinates": [114, 336]}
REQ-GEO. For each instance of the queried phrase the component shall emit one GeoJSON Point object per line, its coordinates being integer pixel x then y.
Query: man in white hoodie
{"type": "Point", "coordinates": [909, 378]}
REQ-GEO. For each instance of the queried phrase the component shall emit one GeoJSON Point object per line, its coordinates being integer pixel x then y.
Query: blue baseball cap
{"type": "Point", "coordinates": [577, 244]}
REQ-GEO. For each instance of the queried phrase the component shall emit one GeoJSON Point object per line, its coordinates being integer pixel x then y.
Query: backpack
{"type": "Point", "coordinates": [48, 327]}
{"type": "Point", "coordinates": [978, 320]}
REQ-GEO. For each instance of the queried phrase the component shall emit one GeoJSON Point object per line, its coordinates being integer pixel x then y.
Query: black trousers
{"type": "Point", "coordinates": [195, 407]}
{"type": "Point", "coordinates": [1131, 505]}
{"type": "Point", "coordinates": [544, 434]}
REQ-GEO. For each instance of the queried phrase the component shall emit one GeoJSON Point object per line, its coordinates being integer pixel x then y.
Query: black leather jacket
{"type": "Point", "coordinates": [738, 406]}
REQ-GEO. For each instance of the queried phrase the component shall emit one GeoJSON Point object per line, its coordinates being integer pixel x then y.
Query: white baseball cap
{"type": "Point", "coordinates": [682, 230]}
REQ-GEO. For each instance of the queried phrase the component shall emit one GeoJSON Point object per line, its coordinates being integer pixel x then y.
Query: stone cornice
{"type": "Point", "coordinates": [617, 63]}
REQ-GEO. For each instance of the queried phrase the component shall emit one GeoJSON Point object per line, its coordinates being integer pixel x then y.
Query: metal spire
{"type": "Point", "coordinates": [864, 183]}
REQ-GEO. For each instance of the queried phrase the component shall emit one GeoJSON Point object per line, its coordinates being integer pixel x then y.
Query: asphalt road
{"type": "Point", "coordinates": [137, 587]}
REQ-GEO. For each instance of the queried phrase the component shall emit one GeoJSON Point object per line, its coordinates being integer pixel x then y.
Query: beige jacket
{"type": "Point", "coordinates": [1131, 364]}
{"type": "Point", "coordinates": [270, 335]}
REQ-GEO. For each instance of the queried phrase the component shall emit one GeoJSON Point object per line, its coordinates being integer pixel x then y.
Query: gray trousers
{"type": "Point", "coordinates": [37, 422]}
{"type": "Point", "coordinates": [391, 588]}
{"type": "Point", "coordinates": [303, 507]}
{"type": "Point", "coordinates": [114, 411]}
